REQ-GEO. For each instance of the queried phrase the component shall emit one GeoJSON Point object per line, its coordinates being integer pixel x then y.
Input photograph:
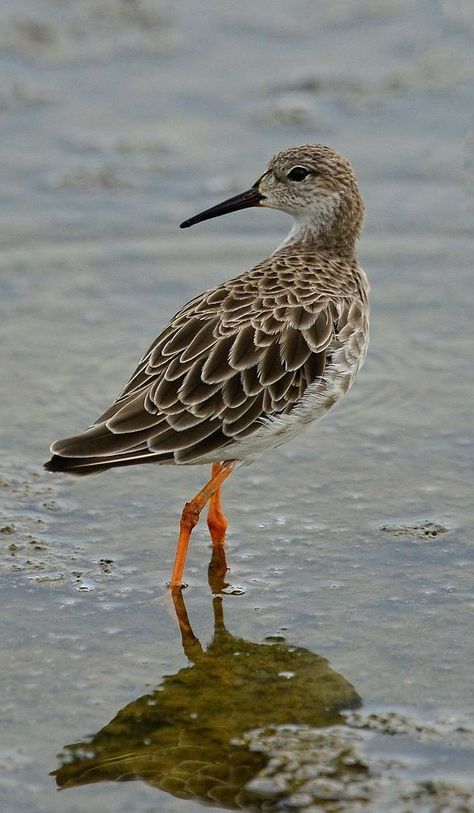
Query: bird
{"type": "Point", "coordinates": [248, 364]}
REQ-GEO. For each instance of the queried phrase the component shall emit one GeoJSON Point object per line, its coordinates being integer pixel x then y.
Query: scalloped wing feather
{"type": "Point", "coordinates": [230, 360]}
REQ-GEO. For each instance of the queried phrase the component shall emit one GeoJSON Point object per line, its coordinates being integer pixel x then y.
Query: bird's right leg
{"type": "Point", "coordinates": [190, 516]}
{"type": "Point", "coordinates": [216, 519]}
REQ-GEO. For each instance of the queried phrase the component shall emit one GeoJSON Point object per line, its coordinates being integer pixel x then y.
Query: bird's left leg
{"type": "Point", "coordinates": [189, 518]}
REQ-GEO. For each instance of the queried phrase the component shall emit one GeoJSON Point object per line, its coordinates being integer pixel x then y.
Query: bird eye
{"type": "Point", "coordinates": [298, 174]}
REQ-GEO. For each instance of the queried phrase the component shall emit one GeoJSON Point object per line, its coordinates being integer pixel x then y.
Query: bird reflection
{"type": "Point", "coordinates": [188, 736]}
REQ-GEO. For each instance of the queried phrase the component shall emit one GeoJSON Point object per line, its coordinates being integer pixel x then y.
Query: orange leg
{"type": "Point", "coordinates": [216, 519]}
{"type": "Point", "coordinates": [189, 518]}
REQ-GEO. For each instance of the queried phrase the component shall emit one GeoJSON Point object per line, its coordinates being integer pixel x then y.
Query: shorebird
{"type": "Point", "coordinates": [250, 363]}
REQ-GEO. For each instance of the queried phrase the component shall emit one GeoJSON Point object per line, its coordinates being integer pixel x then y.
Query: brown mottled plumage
{"type": "Point", "coordinates": [246, 365]}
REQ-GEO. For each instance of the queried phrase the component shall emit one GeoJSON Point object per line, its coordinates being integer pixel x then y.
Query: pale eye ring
{"type": "Point", "coordinates": [297, 173]}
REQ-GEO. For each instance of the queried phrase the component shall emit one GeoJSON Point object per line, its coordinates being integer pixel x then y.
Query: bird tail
{"type": "Point", "coordinates": [77, 465]}
{"type": "Point", "coordinates": [98, 449]}
{"type": "Point", "coordinates": [82, 466]}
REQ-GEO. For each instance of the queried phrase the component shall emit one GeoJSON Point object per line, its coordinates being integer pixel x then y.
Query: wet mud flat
{"type": "Point", "coordinates": [332, 587]}
{"type": "Point", "coordinates": [242, 722]}
{"type": "Point", "coordinates": [333, 669]}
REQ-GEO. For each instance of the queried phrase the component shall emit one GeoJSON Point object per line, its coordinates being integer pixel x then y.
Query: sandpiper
{"type": "Point", "coordinates": [247, 365]}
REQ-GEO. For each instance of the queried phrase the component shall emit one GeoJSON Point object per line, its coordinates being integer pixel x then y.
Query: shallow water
{"type": "Point", "coordinates": [351, 549]}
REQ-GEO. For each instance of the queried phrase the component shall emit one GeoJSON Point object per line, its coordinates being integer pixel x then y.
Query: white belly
{"type": "Point", "coordinates": [317, 400]}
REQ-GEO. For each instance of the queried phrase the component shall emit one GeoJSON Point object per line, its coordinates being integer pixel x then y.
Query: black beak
{"type": "Point", "coordinates": [251, 197]}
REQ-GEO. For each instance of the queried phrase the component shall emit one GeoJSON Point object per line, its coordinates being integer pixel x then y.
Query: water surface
{"type": "Point", "coordinates": [350, 550]}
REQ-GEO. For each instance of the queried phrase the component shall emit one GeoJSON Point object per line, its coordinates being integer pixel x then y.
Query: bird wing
{"type": "Point", "coordinates": [234, 356]}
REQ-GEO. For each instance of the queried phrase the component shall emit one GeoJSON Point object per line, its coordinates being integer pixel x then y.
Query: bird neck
{"type": "Point", "coordinates": [332, 240]}
{"type": "Point", "coordinates": [332, 232]}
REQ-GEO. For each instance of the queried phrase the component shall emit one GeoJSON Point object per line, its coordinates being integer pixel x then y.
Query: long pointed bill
{"type": "Point", "coordinates": [251, 197]}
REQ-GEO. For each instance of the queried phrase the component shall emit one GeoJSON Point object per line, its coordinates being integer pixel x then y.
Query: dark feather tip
{"type": "Point", "coordinates": [57, 463]}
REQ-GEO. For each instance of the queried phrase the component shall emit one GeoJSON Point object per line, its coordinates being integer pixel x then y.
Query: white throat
{"type": "Point", "coordinates": [309, 224]}
{"type": "Point", "coordinates": [300, 232]}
